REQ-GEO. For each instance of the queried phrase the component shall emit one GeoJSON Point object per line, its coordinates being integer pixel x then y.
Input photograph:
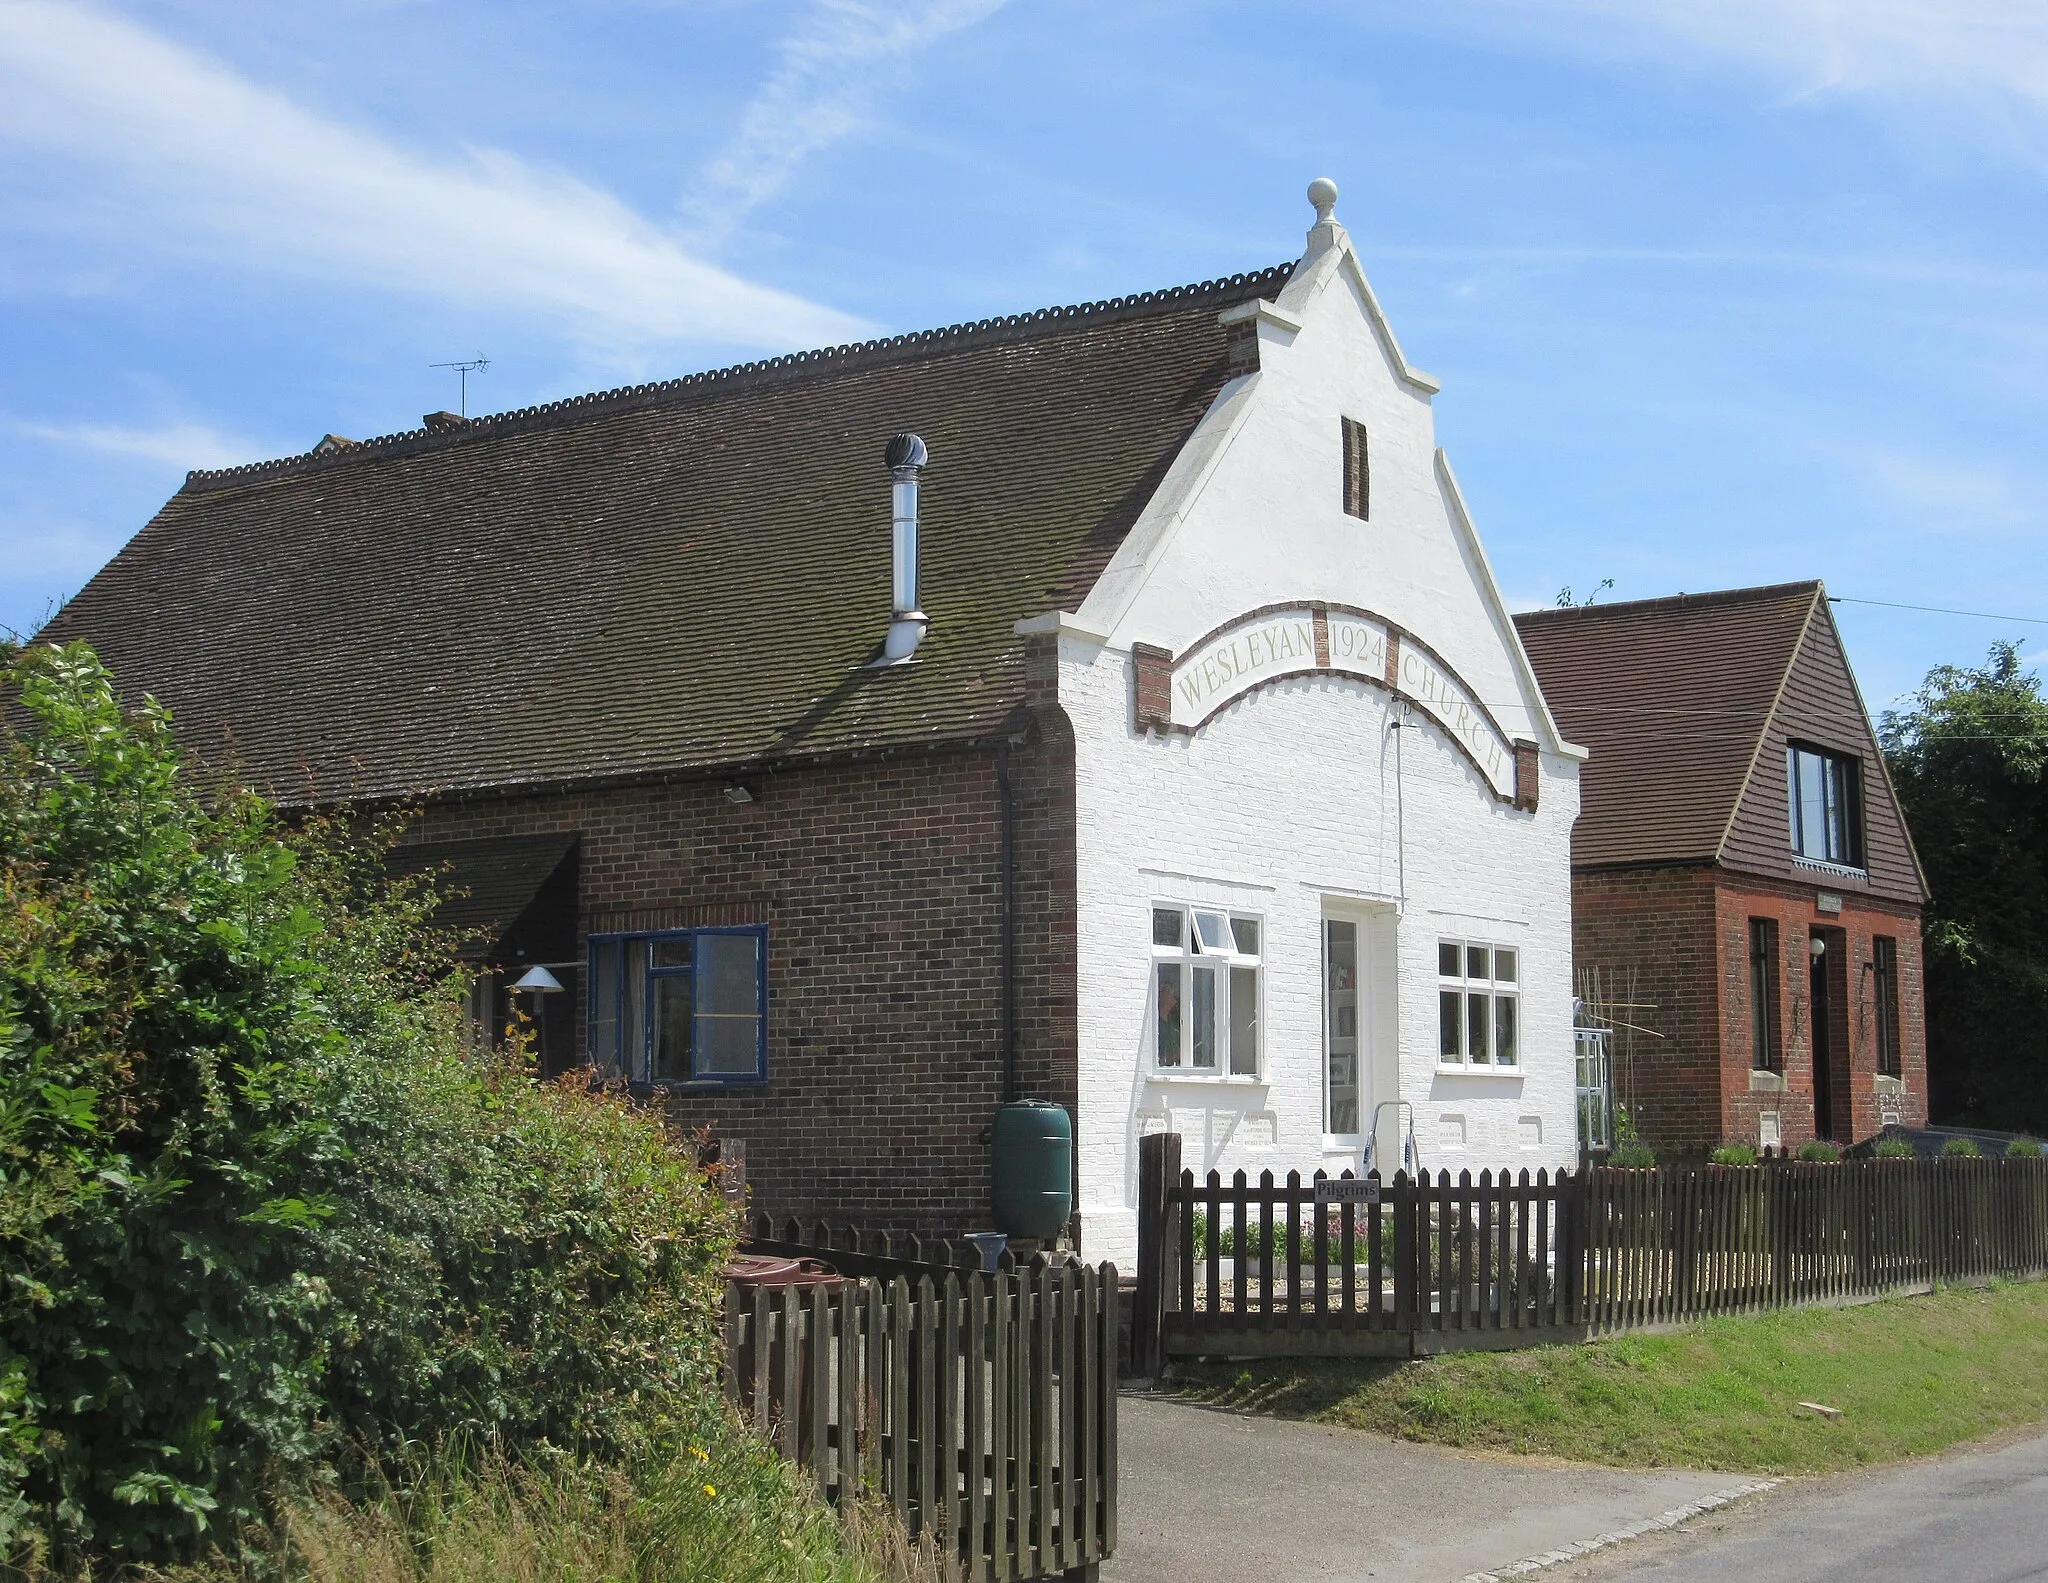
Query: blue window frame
{"type": "Point", "coordinates": [681, 1005]}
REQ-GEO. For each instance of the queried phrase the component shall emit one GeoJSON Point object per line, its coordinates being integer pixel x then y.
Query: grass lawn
{"type": "Point", "coordinates": [1913, 1375]}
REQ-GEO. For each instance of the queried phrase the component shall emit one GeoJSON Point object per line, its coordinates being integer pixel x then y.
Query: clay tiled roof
{"type": "Point", "coordinates": [1689, 705]}
{"type": "Point", "coordinates": [1672, 696]}
{"type": "Point", "coordinates": [666, 578]}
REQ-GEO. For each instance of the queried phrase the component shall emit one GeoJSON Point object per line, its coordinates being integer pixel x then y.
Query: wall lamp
{"type": "Point", "coordinates": [737, 793]}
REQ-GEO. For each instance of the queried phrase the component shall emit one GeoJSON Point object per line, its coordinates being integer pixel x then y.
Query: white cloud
{"type": "Point", "coordinates": [823, 89]}
{"type": "Point", "coordinates": [1951, 47]}
{"type": "Point", "coordinates": [214, 166]}
{"type": "Point", "coordinates": [183, 445]}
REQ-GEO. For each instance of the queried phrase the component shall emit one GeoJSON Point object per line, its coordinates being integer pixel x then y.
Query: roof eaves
{"type": "Point", "coordinates": [1877, 749]}
{"type": "Point", "coordinates": [1756, 751]}
{"type": "Point", "coordinates": [1461, 517]}
{"type": "Point", "coordinates": [982, 737]}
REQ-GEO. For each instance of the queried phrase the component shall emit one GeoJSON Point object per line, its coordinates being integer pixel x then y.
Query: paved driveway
{"type": "Point", "coordinates": [1205, 1495]}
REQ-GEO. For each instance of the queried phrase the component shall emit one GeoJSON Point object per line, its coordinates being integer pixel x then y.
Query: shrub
{"type": "Point", "coordinates": [1819, 1151]}
{"type": "Point", "coordinates": [1735, 1154]}
{"type": "Point", "coordinates": [1361, 1236]}
{"type": "Point", "coordinates": [1894, 1149]}
{"type": "Point", "coordinates": [259, 1210]}
{"type": "Point", "coordinates": [2023, 1149]}
{"type": "Point", "coordinates": [1960, 1149]}
{"type": "Point", "coordinates": [1633, 1156]}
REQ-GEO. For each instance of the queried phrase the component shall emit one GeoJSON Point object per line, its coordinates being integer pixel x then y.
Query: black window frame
{"type": "Point", "coordinates": [1357, 471]}
{"type": "Point", "coordinates": [637, 1067]}
{"type": "Point", "coordinates": [1841, 839]}
{"type": "Point", "coordinates": [1766, 973]}
{"type": "Point", "coordinates": [1884, 988]}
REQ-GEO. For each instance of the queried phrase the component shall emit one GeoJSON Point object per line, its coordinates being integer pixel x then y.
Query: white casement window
{"type": "Point", "coordinates": [1479, 1008]}
{"type": "Point", "coordinates": [1205, 991]}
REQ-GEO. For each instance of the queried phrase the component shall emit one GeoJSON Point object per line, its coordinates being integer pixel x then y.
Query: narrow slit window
{"type": "Point", "coordinates": [1763, 994]}
{"type": "Point", "coordinates": [1884, 961]}
{"type": "Point", "coordinates": [1357, 472]}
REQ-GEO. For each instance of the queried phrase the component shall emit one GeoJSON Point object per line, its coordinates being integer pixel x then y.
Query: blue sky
{"type": "Point", "coordinates": [1719, 294]}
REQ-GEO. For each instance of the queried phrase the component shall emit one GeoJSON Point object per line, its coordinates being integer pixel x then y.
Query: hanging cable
{"type": "Point", "coordinates": [1936, 610]}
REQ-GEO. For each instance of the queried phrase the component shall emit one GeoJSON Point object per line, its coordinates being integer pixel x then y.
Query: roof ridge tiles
{"type": "Point", "coordinates": [738, 375]}
{"type": "Point", "coordinates": [1719, 596]}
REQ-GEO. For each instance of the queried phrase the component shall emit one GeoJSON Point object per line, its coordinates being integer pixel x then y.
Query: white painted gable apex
{"type": "Point", "coordinates": [1330, 254]}
{"type": "Point", "coordinates": [1453, 586]}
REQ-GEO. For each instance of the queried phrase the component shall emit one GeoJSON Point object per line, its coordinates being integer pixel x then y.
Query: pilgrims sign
{"type": "Point", "coordinates": [1316, 640]}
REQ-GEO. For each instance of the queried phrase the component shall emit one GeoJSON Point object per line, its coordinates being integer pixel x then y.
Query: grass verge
{"type": "Point", "coordinates": [722, 1510]}
{"type": "Point", "coordinates": [1911, 1376]}
{"type": "Point", "coordinates": [718, 1507]}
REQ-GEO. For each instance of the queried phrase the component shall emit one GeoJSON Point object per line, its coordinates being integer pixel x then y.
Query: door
{"type": "Point", "coordinates": [1822, 1044]}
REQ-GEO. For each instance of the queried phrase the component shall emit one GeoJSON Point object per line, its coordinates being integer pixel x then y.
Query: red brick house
{"type": "Point", "coordinates": [1745, 895]}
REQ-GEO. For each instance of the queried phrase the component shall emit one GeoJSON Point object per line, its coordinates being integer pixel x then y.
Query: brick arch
{"type": "Point", "coordinates": [1154, 674]}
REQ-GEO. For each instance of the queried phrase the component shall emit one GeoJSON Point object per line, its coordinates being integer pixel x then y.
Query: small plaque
{"type": "Point", "coordinates": [1352, 1192]}
{"type": "Point", "coordinates": [1828, 901]}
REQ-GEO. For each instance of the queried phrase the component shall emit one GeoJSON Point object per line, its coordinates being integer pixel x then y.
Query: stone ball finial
{"type": "Point", "coordinates": [1322, 192]}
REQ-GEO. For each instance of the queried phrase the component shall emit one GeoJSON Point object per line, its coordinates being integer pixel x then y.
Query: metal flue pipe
{"type": "Point", "coordinates": [905, 459]}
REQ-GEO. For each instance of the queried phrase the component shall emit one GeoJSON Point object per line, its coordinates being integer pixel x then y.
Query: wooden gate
{"type": "Point", "coordinates": [982, 1407]}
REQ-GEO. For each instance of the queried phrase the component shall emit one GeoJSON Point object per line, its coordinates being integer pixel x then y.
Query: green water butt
{"type": "Point", "coordinates": [1033, 1169]}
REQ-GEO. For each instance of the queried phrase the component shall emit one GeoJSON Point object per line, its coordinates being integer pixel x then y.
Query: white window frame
{"type": "Point", "coordinates": [1227, 964]}
{"type": "Point", "coordinates": [1490, 990]}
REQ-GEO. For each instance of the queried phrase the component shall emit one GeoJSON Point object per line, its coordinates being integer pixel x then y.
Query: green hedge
{"type": "Point", "coordinates": [261, 1216]}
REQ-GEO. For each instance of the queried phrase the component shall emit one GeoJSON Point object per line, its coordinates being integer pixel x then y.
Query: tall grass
{"type": "Point", "coordinates": [713, 1508]}
{"type": "Point", "coordinates": [718, 1509]}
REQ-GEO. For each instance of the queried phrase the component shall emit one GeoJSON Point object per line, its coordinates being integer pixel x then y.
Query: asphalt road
{"type": "Point", "coordinates": [1977, 1517]}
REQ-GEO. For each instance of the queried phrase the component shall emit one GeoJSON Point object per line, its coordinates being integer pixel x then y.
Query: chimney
{"type": "Point", "coordinates": [905, 458]}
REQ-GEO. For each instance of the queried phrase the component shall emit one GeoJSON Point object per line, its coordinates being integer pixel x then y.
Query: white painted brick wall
{"type": "Point", "coordinates": [1274, 806]}
{"type": "Point", "coordinates": [1287, 798]}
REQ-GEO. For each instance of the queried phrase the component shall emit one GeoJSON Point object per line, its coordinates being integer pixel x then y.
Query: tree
{"type": "Point", "coordinates": [1970, 760]}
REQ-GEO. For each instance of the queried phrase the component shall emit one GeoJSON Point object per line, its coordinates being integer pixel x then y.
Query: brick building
{"type": "Point", "coordinates": [1745, 895]}
{"type": "Point", "coordinates": [1150, 737]}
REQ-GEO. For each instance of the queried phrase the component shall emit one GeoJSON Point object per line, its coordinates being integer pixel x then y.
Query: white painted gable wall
{"type": "Point", "coordinates": [1284, 804]}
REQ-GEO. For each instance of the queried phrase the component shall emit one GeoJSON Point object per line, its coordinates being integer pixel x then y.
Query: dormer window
{"type": "Point", "coordinates": [1826, 797]}
{"type": "Point", "coordinates": [1357, 472]}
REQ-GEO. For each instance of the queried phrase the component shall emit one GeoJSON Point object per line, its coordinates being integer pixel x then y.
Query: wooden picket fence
{"type": "Point", "coordinates": [866, 1250]}
{"type": "Point", "coordinates": [1329, 1267]}
{"type": "Point", "coordinates": [981, 1407]}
